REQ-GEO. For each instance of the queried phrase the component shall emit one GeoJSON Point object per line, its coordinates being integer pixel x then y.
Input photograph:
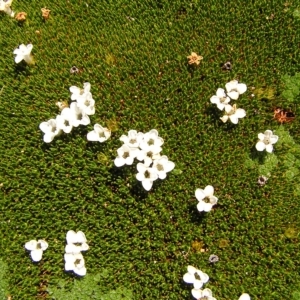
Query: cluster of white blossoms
{"type": "Point", "coordinates": [36, 249]}
{"type": "Point", "coordinates": [266, 141]}
{"type": "Point", "coordinates": [206, 198]}
{"type": "Point", "coordinates": [198, 279]}
{"type": "Point", "coordinates": [144, 147]}
{"type": "Point", "coordinates": [5, 6]}
{"type": "Point", "coordinates": [222, 99]}
{"type": "Point", "coordinates": [78, 113]}
{"type": "Point", "coordinates": [74, 261]}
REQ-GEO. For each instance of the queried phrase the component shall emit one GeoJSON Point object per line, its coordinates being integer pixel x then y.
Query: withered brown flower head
{"type": "Point", "coordinates": [45, 13]}
{"type": "Point", "coordinates": [194, 59]}
{"type": "Point", "coordinates": [21, 16]}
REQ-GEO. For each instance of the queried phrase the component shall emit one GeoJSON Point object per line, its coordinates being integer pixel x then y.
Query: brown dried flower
{"type": "Point", "coordinates": [45, 13]}
{"type": "Point", "coordinates": [21, 16]}
{"type": "Point", "coordinates": [194, 59]}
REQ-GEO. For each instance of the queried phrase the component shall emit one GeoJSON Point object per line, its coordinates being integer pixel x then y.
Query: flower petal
{"type": "Point", "coordinates": [71, 237]}
{"type": "Point", "coordinates": [147, 184]}
{"type": "Point", "coordinates": [188, 278]}
{"type": "Point", "coordinates": [80, 271]}
{"type": "Point", "coordinates": [36, 255]}
{"type": "Point", "coordinates": [233, 95]}
{"type": "Point", "coordinates": [197, 293]}
{"type": "Point", "coordinates": [198, 284]}
{"type": "Point", "coordinates": [209, 190]}
{"type": "Point", "coordinates": [215, 100]}
{"type": "Point", "coordinates": [260, 146]}
{"type": "Point", "coordinates": [200, 194]}
{"type": "Point", "coordinates": [244, 296]}
{"type": "Point", "coordinates": [269, 148]}
{"type": "Point", "coordinates": [31, 245]}
{"type": "Point", "coordinates": [241, 88]}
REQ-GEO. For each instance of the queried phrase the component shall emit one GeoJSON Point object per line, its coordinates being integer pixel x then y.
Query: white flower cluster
{"type": "Point", "coordinates": [74, 261]}
{"type": "Point", "coordinates": [222, 99]}
{"type": "Point", "coordinates": [144, 147]}
{"type": "Point", "coordinates": [5, 6]}
{"type": "Point", "coordinates": [77, 114]}
{"type": "Point", "coordinates": [198, 278]}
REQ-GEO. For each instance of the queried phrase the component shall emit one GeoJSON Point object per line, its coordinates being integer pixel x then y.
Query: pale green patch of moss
{"type": "Point", "coordinates": [88, 288]}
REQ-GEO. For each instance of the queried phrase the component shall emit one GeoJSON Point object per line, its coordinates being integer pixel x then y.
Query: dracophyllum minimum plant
{"type": "Point", "coordinates": [206, 198]}
{"type": "Point", "coordinates": [233, 114]}
{"type": "Point", "coordinates": [5, 6]}
{"type": "Point", "coordinates": [266, 141]}
{"type": "Point", "coordinates": [24, 53]}
{"type": "Point", "coordinates": [36, 249]}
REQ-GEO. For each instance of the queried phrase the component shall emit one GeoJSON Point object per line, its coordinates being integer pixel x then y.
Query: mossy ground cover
{"type": "Point", "coordinates": [134, 55]}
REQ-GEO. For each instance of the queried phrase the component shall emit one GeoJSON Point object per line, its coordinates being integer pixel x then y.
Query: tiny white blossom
{"type": "Point", "coordinates": [149, 153]}
{"type": "Point", "coordinates": [76, 242]}
{"type": "Point", "coordinates": [233, 113]}
{"type": "Point", "coordinates": [206, 198]}
{"type": "Point", "coordinates": [146, 175]}
{"type": "Point", "coordinates": [196, 277]}
{"type": "Point", "coordinates": [235, 89]}
{"type": "Point", "coordinates": [78, 116]}
{"type": "Point", "coordinates": [99, 134]}
{"type": "Point", "coordinates": [266, 141]}
{"type": "Point", "coordinates": [36, 248]}
{"type": "Point", "coordinates": [50, 130]}
{"type": "Point", "coordinates": [75, 263]}
{"type": "Point", "coordinates": [24, 52]}
{"type": "Point", "coordinates": [205, 294]}
{"type": "Point", "coordinates": [151, 138]}
{"type": "Point", "coordinates": [133, 138]}
{"type": "Point", "coordinates": [78, 93]}
{"type": "Point", "coordinates": [245, 296]}
{"type": "Point", "coordinates": [220, 99]}
{"type": "Point", "coordinates": [64, 120]}
{"type": "Point", "coordinates": [126, 155]}
{"type": "Point", "coordinates": [5, 6]}
{"type": "Point", "coordinates": [87, 104]}
{"type": "Point", "coordinates": [162, 166]}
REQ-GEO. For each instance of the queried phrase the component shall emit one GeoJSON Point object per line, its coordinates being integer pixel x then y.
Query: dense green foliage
{"type": "Point", "coordinates": [134, 55]}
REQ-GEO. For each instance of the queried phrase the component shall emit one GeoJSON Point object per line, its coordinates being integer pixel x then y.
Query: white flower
{"type": "Point", "coordinates": [133, 138]}
{"type": "Point", "coordinates": [163, 166]}
{"type": "Point", "coordinates": [126, 155]}
{"type": "Point", "coordinates": [244, 297]}
{"type": "Point", "coordinates": [99, 134]}
{"type": "Point", "coordinates": [24, 52]}
{"type": "Point", "coordinates": [79, 94]}
{"type": "Point", "coordinates": [5, 6]}
{"type": "Point", "coordinates": [64, 120]}
{"type": "Point", "coordinates": [233, 113]}
{"type": "Point", "coordinates": [220, 99]}
{"type": "Point", "coordinates": [206, 198]}
{"type": "Point", "coordinates": [50, 130]}
{"type": "Point", "coordinates": [87, 104]}
{"type": "Point", "coordinates": [151, 138]}
{"type": "Point", "coordinates": [78, 116]}
{"type": "Point", "coordinates": [235, 89]}
{"type": "Point", "coordinates": [75, 263]}
{"type": "Point", "coordinates": [146, 175]}
{"type": "Point", "coordinates": [205, 294]}
{"type": "Point", "coordinates": [36, 248]}
{"type": "Point", "coordinates": [149, 153]}
{"type": "Point", "coordinates": [76, 242]}
{"type": "Point", "coordinates": [266, 141]}
{"type": "Point", "coordinates": [196, 277]}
